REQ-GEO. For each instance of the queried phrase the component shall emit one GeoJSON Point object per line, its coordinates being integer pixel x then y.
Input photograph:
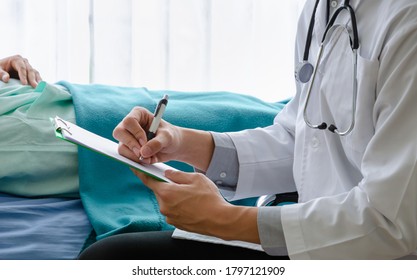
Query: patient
{"type": "Point", "coordinates": [36, 169]}
{"type": "Point", "coordinates": [33, 162]}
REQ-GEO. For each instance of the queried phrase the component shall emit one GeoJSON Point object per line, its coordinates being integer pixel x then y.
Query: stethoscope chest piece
{"type": "Point", "coordinates": [304, 71]}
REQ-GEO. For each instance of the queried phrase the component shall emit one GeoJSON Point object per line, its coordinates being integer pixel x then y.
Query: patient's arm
{"type": "Point", "coordinates": [18, 67]}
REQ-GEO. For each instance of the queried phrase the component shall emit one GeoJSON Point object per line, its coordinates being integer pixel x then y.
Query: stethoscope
{"type": "Point", "coordinates": [306, 72]}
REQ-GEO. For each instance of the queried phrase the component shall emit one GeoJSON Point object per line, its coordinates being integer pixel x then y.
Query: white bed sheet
{"type": "Point", "coordinates": [42, 228]}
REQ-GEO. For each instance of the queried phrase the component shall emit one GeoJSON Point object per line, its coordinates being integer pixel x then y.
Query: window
{"type": "Point", "coordinates": [243, 46]}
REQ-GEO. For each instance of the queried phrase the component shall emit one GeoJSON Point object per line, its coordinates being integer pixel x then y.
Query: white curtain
{"type": "Point", "coordinates": [243, 46]}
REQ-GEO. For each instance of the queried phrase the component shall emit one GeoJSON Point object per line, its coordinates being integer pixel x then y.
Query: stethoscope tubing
{"type": "Point", "coordinates": [354, 46]}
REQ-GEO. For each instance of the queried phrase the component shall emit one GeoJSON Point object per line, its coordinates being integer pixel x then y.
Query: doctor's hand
{"type": "Point", "coordinates": [171, 142]}
{"type": "Point", "coordinates": [133, 144]}
{"type": "Point", "coordinates": [19, 68]}
{"type": "Point", "coordinates": [193, 203]}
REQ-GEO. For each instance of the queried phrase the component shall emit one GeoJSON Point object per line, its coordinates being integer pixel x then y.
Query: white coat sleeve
{"type": "Point", "coordinates": [377, 219]}
{"type": "Point", "coordinates": [263, 151]}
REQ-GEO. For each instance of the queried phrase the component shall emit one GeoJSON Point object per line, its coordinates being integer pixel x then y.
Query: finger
{"type": "Point", "coordinates": [154, 146]}
{"type": "Point", "coordinates": [126, 152]}
{"type": "Point", "coordinates": [180, 177]}
{"type": "Point", "coordinates": [129, 141]}
{"type": "Point", "coordinates": [4, 76]}
{"type": "Point", "coordinates": [131, 134]}
{"type": "Point", "coordinates": [142, 176]}
{"type": "Point", "coordinates": [149, 181]}
{"type": "Point", "coordinates": [32, 75]}
{"type": "Point", "coordinates": [38, 77]}
{"type": "Point", "coordinates": [20, 65]}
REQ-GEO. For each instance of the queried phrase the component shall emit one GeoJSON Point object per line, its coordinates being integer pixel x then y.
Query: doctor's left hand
{"type": "Point", "coordinates": [19, 68]}
{"type": "Point", "coordinates": [194, 203]}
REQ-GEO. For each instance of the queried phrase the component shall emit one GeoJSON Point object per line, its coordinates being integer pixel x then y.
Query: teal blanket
{"type": "Point", "coordinates": [114, 199]}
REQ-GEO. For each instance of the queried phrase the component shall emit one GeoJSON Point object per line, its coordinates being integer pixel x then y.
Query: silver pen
{"type": "Point", "coordinates": [157, 117]}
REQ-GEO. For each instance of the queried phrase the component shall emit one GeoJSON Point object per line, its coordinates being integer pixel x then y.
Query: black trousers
{"type": "Point", "coordinates": [159, 245]}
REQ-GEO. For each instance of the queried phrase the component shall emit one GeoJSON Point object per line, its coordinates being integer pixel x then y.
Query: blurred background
{"type": "Point", "coordinates": [243, 46]}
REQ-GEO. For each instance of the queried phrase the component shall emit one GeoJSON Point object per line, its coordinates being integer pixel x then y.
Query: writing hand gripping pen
{"type": "Point", "coordinates": [157, 117]}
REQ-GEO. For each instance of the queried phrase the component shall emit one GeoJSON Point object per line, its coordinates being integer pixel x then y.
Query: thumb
{"type": "Point", "coordinates": [4, 76]}
{"type": "Point", "coordinates": [178, 176]}
{"type": "Point", "coordinates": [153, 147]}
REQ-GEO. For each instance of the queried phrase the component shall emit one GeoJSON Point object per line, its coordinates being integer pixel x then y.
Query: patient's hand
{"type": "Point", "coordinates": [18, 67]}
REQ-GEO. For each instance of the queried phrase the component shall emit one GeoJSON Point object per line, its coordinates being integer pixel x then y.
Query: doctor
{"type": "Point", "coordinates": [346, 142]}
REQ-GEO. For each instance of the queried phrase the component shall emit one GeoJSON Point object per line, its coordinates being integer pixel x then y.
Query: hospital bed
{"type": "Point", "coordinates": [56, 198]}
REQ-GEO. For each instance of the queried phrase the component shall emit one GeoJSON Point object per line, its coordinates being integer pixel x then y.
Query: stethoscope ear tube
{"type": "Point", "coordinates": [355, 41]}
{"type": "Point", "coordinates": [304, 69]}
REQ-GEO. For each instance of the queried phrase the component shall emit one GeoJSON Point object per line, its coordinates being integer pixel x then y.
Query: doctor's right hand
{"type": "Point", "coordinates": [171, 142]}
{"type": "Point", "coordinates": [133, 144]}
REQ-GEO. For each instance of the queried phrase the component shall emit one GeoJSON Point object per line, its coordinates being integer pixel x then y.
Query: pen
{"type": "Point", "coordinates": [157, 117]}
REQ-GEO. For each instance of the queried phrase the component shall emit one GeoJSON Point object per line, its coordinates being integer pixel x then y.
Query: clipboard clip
{"type": "Point", "coordinates": [60, 125]}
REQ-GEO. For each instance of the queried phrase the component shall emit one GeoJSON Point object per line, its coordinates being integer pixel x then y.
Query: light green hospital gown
{"type": "Point", "coordinates": [33, 162]}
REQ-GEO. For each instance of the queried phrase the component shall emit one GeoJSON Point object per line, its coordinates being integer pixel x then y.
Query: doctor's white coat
{"type": "Point", "coordinates": [358, 193]}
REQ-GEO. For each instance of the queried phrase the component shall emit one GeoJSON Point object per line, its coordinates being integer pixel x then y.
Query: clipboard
{"type": "Point", "coordinates": [74, 134]}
